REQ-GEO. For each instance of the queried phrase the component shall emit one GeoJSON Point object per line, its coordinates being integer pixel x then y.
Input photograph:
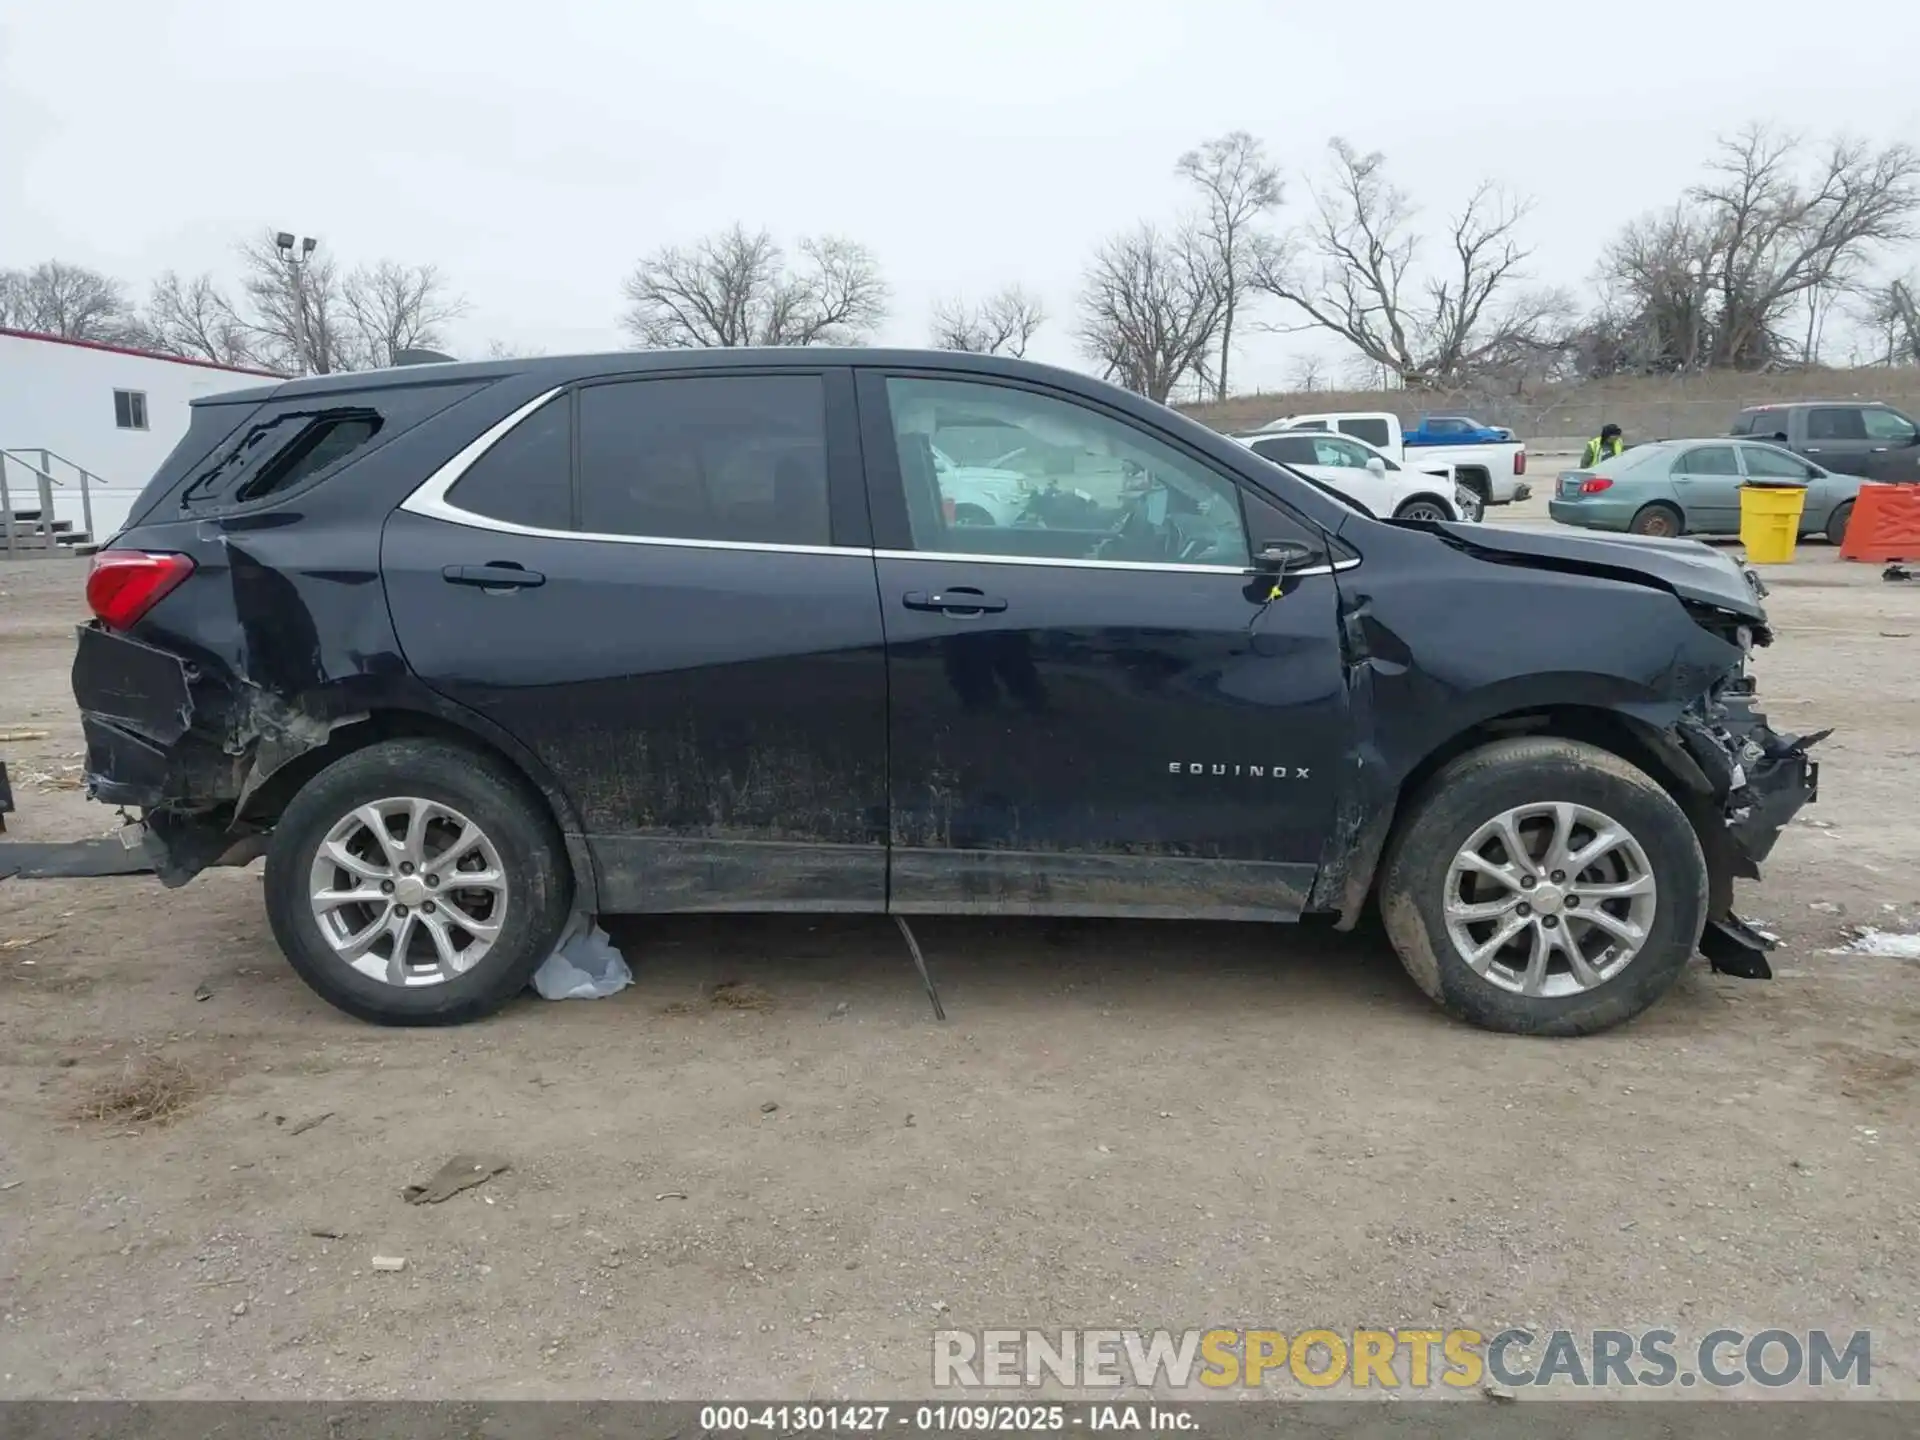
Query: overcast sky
{"type": "Point", "coordinates": [536, 150]}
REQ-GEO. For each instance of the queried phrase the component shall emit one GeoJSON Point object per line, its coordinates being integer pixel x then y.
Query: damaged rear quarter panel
{"type": "Point", "coordinates": [1440, 642]}
{"type": "Point", "coordinates": [283, 637]}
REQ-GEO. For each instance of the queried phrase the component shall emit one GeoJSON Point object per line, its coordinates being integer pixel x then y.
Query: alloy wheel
{"type": "Point", "coordinates": [408, 891]}
{"type": "Point", "coordinates": [1550, 899]}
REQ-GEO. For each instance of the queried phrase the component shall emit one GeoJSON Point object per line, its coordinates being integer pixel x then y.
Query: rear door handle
{"type": "Point", "coordinates": [961, 600]}
{"type": "Point", "coordinates": [501, 576]}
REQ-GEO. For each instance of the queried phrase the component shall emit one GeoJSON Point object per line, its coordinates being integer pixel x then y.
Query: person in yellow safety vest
{"type": "Point", "coordinates": [1603, 446]}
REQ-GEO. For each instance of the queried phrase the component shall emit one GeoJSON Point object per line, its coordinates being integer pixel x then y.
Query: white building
{"type": "Point", "coordinates": [111, 411]}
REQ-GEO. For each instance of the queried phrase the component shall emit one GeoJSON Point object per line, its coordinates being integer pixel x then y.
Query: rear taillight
{"type": "Point", "coordinates": [1595, 484]}
{"type": "Point", "coordinates": [125, 584]}
{"type": "Point", "coordinates": [1519, 462]}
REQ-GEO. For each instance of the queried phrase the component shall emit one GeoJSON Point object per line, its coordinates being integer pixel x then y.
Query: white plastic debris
{"type": "Point", "coordinates": [1885, 944]}
{"type": "Point", "coordinates": [584, 966]}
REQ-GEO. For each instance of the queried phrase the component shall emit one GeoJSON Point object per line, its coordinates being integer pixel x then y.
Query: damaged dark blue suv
{"type": "Point", "coordinates": [466, 649]}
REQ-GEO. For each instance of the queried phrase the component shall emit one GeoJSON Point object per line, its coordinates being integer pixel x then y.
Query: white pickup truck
{"type": "Point", "coordinates": [1491, 472]}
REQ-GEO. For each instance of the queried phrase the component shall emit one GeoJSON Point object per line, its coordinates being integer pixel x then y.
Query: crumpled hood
{"type": "Point", "coordinates": [1690, 569]}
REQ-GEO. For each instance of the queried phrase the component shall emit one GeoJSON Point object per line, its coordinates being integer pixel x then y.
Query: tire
{"type": "Point", "coordinates": [1657, 520]}
{"type": "Point", "coordinates": [1467, 796]}
{"type": "Point", "coordinates": [971, 515]}
{"type": "Point", "coordinates": [1427, 511]}
{"type": "Point", "coordinates": [519, 852]}
{"type": "Point", "coordinates": [1837, 523]}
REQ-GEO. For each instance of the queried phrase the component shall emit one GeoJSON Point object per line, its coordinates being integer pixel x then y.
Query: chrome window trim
{"type": "Point", "coordinates": [429, 499]}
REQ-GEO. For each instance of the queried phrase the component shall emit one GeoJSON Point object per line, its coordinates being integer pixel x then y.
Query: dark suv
{"type": "Point", "coordinates": [465, 650]}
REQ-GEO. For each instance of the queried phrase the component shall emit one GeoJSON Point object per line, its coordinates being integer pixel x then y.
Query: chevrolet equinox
{"type": "Point", "coordinates": [467, 649]}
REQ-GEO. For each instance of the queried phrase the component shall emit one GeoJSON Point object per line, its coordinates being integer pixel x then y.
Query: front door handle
{"type": "Point", "coordinates": [503, 575]}
{"type": "Point", "coordinates": [961, 600]}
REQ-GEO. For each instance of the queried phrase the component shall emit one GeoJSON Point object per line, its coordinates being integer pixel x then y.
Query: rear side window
{"type": "Point", "coordinates": [525, 476]}
{"type": "Point", "coordinates": [740, 458]}
{"type": "Point", "coordinates": [1374, 432]}
{"type": "Point", "coordinates": [1743, 423]}
{"type": "Point", "coordinates": [286, 444]}
{"type": "Point", "coordinates": [1835, 422]}
{"type": "Point", "coordinates": [1286, 450]}
{"type": "Point", "coordinates": [1711, 460]}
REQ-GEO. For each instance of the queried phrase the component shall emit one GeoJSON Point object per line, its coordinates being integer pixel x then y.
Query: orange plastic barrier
{"type": "Point", "coordinates": [1885, 524]}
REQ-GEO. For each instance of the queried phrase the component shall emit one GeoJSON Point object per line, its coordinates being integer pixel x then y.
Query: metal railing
{"type": "Point", "coordinates": [42, 533]}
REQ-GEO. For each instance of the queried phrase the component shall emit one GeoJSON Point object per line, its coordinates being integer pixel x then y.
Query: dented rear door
{"type": "Point", "coordinates": [664, 587]}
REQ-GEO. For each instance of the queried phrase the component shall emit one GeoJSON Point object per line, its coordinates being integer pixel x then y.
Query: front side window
{"type": "Point", "coordinates": [130, 409]}
{"type": "Point", "coordinates": [1768, 464]}
{"type": "Point", "coordinates": [1711, 460]}
{"type": "Point", "coordinates": [1333, 450]}
{"type": "Point", "coordinates": [1286, 450]}
{"type": "Point", "coordinates": [1098, 488]}
{"type": "Point", "coordinates": [1888, 425]}
{"type": "Point", "coordinates": [735, 458]}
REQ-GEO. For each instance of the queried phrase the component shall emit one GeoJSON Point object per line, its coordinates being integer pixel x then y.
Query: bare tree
{"type": "Point", "coordinates": [303, 315]}
{"type": "Point", "coordinates": [1355, 270]}
{"type": "Point", "coordinates": [1238, 187]}
{"type": "Point", "coordinates": [1307, 374]}
{"type": "Point", "coordinates": [1151, 308]}
{"type": "Point", "coordinates": [735, 288]}
{"type": "Point", "coordinates": [391, 308]}
{"type": "Point", "coordinates": [510, 350]}
{"type": "Point", "coordinates": [1890, 311]}
{"type": "Point", "coordinates": [1002, 324]}
{"type": "Point", "coordinates": [194, 319]}
{"type": "Point", "coordinates": [1771, 238]}
{"type": "Point", "coordinates": [70, 301]}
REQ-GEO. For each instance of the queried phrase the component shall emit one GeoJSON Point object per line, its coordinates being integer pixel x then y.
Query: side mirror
{"type": "Point", "coordinates": [1278, 557]}
{"type": "Point", "coordinates": [1376, 467]}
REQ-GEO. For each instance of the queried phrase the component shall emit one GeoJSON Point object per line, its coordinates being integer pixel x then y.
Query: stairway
{"type": "Point", "coordinates": [29, 524]}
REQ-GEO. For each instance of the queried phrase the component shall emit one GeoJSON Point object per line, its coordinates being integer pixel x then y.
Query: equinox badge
{"type": "Point", "coordinates": [1251, 772]}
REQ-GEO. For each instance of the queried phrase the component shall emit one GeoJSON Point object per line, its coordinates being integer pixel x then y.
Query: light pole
{"type": "Point", "coordinates": [312, 319]}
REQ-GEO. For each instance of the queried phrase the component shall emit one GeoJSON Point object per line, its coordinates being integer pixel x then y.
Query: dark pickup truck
{"type": "Point", "coordinates": [1848, 437]}
{"type": "Point", "coordinates": [470, 650]}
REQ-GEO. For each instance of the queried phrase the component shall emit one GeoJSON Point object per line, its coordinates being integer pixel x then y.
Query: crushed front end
{"type": "Point", "coordinates": [1756, 779]}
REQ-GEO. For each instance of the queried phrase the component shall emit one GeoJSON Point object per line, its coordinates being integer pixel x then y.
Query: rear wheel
{"type": "Point", "coordinates": [1428, 512]}
{"type": "Point", "coordinates": [1838, 521]}
{"type": "Point", "coordinates": [1661, 521]}
{"type": "Point", "coordinates": [416, 883]}
{"type": "Point", "coordinates": [971, 515]}
{"type": "Point", "coordinates": [1544, 887]}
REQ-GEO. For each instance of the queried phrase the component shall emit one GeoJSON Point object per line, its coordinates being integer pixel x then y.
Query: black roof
{"type": "Point", "coordinates": [560, 369]}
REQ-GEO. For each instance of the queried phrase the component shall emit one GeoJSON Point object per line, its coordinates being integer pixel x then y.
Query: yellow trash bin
{"type": "Point", "coordinates": [1770, 521]}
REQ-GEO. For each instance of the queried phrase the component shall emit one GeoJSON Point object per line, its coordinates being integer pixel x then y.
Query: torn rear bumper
{"type": "Point", "coordinates": [136, 704]}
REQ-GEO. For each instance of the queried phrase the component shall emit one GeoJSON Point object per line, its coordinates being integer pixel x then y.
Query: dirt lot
{"type": "Point", "coordinates": [1120, 1124]}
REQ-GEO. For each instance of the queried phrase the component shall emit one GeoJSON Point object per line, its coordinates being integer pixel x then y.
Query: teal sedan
{"type": "Point", "coordinates": [1692, 487]}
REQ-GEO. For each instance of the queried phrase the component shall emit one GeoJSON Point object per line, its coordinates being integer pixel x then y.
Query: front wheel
{"type": "Point", "coordinates": [1544, 887]}
{"type": "Point", "coordinates": [417, 883]}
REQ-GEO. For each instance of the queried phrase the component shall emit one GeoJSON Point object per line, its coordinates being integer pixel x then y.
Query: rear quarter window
{"type": "Point", "coordinates": [292, 442]}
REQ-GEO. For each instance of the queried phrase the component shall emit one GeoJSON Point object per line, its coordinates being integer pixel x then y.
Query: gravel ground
{"type": "Point", "coordinates": [1146, 1124]}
